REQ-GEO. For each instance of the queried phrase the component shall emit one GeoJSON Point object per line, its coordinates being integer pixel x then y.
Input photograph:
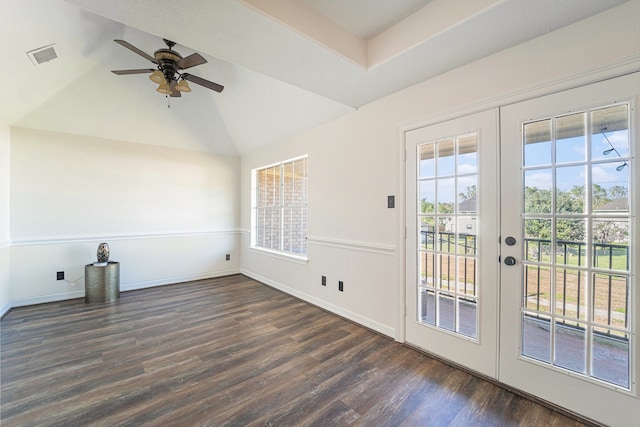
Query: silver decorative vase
{"type": "Point", "coordinates": [103, 252]}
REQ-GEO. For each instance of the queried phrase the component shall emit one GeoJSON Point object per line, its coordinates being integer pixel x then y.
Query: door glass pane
{"type": "Point", "coordinates": [467, 231]}
{"type": "Point", "coordinates": [537, 240]}
{"type": "Point", "coordinates": [537, 289]}
{"type": "Point", "coordinates": [446, 195]}
{"type": "Point", "coordinates": [571, 293]}
{"type": "Point", "coordinates": [571, 237]}
{"type": "Point", "coordinates": [610, 187]}
{"type": "Point", "coordinates": [446, 311]}
{"type": "Point", "coordinates": [427, 307]}
{"type": "Point", "coordinates": [537, 191]}
{"type": "Point", "coordinates": [611, 247]}
{"type": "Point", "coordinates": [610, 132]}
{"type": "Point", "coordinates": [537, 143]}
{"type": "Point", "coordinates": [570, 346]}
{"type": "Point", "coordinates": [427, 232]}
{"type": "Point", "coordinates": [426, 161]}
{"type": "Point", "coordinates": [467, 276]}
{"type": "Point", "coordinates": [570, 190]}
{"type": "Point", "coordinates": [610, 359]}
{"type": "Point", "coordinates": [446, 234]}
{"type": "Point", "coordinates": [446, 158]}
{"type": "Point", "coordinates": [610, 300]}
{"type": "Point", "coordinates": [448, 216]}
{"type": "Point", "coordinates": [467, 188]}
{"type": "Point", "coordinates": [536, 337]}
{"type": "Point", "coordinates": [467, 316]}
{"type": "Point", "coordinates": [571, 138]}
{"type": "Point", "coordinates": [467, 158]}
{"type": "Point", "coordinates": [427, 196]}
{"type": "Point", "coordinates": [427, 269]}
{"type": "Point", "coordinates": [576, 252]}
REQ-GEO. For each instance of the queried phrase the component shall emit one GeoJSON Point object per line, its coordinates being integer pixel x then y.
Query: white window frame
{"type": "Point", "coordinates": [280, 251]}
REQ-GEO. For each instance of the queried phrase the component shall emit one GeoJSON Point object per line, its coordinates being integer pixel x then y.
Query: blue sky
{"type": "Point", "coordinates": [603, 172]}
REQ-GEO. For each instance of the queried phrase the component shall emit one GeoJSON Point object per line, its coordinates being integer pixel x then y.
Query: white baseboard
{"type": "Point", "coordinates": [178, 279]}
{"type": "Point", "coordinates": [364, 321]}
{"type": "Point", "coordinates": [4, 310]}
{"type": "Point", "coordinates": [41, 299]}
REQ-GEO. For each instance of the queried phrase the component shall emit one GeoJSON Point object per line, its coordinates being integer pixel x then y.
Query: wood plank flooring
{"type": "Point", "coordinates": [230, 352]}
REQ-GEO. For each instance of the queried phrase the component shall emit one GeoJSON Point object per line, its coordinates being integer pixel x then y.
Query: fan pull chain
{"type": "Point", "coordinates": [168, 101]}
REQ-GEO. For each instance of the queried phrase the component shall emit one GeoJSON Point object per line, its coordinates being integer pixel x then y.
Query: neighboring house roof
{"type": "Point", "coordinates": [468, 206]}
{"type": "Point", "coordinates": [616, 205]}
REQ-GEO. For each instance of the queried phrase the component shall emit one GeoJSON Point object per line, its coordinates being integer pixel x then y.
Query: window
{"type": "Point", "coordinates": [279, 217]}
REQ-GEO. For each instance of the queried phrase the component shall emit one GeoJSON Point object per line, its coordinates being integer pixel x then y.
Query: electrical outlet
{"type": "Point", "coordinates": [324, 280]}
{"type": "Point", "coordinates": [341, 286]}
{"type": "Point", "coordinates": [228, 257]}
{"type": "Point", "coordinates": [60, 275]}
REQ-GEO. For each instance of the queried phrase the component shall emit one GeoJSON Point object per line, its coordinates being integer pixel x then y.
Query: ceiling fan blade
{"type": "Point", "coordinates": [202, 82]}
{"type": "Point", "coordinates": [175, 93]}
{"type": "Point", "coordinates": [191, 61]}
{"type": "Point", "coordinates": [138, 71]}
{"type": "Point", "coordinates": [136, 50]}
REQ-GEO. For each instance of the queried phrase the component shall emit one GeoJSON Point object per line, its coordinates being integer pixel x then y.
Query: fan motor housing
{"type": "Point", "coordinates": [167, 55]}
{"type": "Point", "coordinates": [167, 59]}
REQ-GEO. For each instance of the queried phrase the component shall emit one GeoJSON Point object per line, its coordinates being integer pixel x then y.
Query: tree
{"type": "Point", "coordinates": [610, 232]}
{"type": "Point", "coordinates": [571, 201]}
{"type": "Point", "coordinates": [537, 200]}
{"type": "Point", "coordinates": [470, 192]}
{"type": "Point", "coordinates": [618, 191]}
{"type": "Point", "coordinates": [570, 230]}
{"type": "Point", "coordinates": [599, 196]}
{"type": "Point", "coordinates": [427, 207]}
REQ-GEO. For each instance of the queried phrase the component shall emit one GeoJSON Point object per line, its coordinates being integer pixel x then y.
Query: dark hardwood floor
{"type": "Point", "coordinates": [230, 352]}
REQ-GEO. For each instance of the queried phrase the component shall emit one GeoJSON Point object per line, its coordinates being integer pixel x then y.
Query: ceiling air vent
{"type": "Point", "coordinates": [42, 54]}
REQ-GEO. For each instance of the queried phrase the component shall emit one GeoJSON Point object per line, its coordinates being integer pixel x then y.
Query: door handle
{"type": "Point", "coordinates": [510, 260]}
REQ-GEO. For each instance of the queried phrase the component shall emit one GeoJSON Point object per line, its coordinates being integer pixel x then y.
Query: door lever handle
{"type": "Point", "coordinates": [510, 261]}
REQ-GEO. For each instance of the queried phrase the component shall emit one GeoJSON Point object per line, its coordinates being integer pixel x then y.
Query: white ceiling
{"type": "Point", "coordinates": [286, 65]}
{"type": "Point", "coordinates": [367, 18]}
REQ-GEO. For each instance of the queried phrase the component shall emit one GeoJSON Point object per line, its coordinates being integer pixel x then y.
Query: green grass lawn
{"type": "Point", "coordinates": [618, 262]}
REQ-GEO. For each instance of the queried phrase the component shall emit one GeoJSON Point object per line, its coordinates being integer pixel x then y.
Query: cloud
{"type": "Point", "coordinates": [539, 179]}
{"type": "Point", "coordinates": [467, 168]}
{"type": "Point", "coordinates": [606, 173]}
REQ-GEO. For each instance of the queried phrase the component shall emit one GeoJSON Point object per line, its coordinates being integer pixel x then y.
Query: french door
{"type": "Point", "coordinates": [522, 255]}
{"type": "Point", "coordinates": [570, 233]}
{"type": "Point", "coordinates": [452, 240]}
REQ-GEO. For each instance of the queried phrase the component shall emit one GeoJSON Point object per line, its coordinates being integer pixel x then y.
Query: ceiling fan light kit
{"type": "Point", "coordinates": [164, 88]}
{"type": "Point", "coordinates": [157, 77]}
{"type": "Point", "coordinates": [168, 74]}
{"type": "Point", "coordinates": [183, 86]}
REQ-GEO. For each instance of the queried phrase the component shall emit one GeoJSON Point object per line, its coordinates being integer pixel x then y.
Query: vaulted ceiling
{"type": "Point", "coordinates": [287, 65]}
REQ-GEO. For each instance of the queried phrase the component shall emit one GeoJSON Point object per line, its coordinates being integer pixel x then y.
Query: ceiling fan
{"type": "Point", "coordinates": [168, 73]}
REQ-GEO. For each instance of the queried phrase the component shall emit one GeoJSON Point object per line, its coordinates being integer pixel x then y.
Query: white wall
{"type": "Point", "coordinates": [5, 260]}
{"type": "Point", "coordinates": [355, 162]}
{"type": "Point", "coordinates": [169, 215]}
